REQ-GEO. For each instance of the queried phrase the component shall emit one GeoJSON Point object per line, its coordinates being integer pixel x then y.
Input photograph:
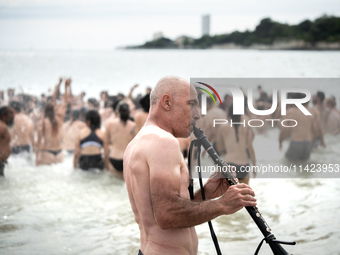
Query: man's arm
{"type": "Point", "coordinates": [174, 210]}
{"type": "Point", "coordinates": [63, 106]}
{"type": "Point", "coordinates": [56, 92]}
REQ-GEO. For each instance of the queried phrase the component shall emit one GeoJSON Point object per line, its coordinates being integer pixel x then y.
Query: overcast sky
{"type": "Point", "coordinates": [107, 24]}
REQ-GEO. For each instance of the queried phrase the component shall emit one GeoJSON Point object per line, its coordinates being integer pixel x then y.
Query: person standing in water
{"type": "Point", "coordinates": [89, 144]}
{"type": "Point", "coordinates": [236, 141]}
{"type": "Point", "coordinates": [6, 120]}
{"type": "Point", "coordinates": [119, 132]}
{"type": "Point", "coordinates": [49, 130]}
{"type": "Point", "coordinates": [157, 178]}
{"type": "Point", "coordinates": [71, 130]}
{"type": "Point", "coordinates": [301, 135]}
{"type": "Point", "coordinates": [22, 132]}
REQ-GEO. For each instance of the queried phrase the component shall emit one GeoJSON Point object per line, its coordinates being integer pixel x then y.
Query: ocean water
{"type": "Point", "coordinates": [58, 210]}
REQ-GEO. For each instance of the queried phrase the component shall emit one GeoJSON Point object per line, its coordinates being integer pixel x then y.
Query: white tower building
{"type": "Point", "coordinates": [205, 25]}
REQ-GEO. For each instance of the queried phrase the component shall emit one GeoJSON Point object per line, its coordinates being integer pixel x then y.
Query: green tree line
{"type": "Point", "coordinates": [323, 29]}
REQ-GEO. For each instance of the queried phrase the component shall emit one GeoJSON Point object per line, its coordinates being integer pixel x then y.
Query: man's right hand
{"type": "Point", "coordinates": [236, 197]}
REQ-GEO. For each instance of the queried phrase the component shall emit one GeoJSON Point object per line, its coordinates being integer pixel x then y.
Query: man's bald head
{"type": "Point", "coordinates": [169, 85]}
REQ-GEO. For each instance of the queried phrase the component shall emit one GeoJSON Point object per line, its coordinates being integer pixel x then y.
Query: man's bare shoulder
{"type": "Point", "coordinates": [156, 135]}
{"type": "Point", "coordinates": [152, 139]}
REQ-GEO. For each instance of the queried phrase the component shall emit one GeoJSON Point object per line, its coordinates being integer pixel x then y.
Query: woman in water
{"type": "Point", "coordinates": [236, 140]}
{"type": "Point", "coordinates": [119, 133]}
{"type": "Point", "coordinates": [71, 129]}
{"type": "Point", "coordinates": [49, 130]}
{"type": "Point", "coordinates": [89, 144]}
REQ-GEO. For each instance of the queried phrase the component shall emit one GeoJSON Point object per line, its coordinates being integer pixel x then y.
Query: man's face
{"type": "Point", "coordinates": [186, 111]}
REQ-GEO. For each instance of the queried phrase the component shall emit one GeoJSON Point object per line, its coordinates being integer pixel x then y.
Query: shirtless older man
{"type": "Point", "coordinates": [22, 132]}
{"type": "Point", "coordinates": [157, 177]}
{"type": "Point", "coordinates": [6, 120]}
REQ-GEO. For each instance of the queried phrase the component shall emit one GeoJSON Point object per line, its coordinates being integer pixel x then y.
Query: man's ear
{"type": "Point", "coordinates": [166, 102]}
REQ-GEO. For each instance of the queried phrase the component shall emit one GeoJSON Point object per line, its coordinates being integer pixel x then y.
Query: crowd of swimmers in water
{"type": "Point", "coordinates": [97, 132]}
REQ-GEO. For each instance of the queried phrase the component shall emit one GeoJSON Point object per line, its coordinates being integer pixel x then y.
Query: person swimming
{"type": "Point", "coordinates": [89, 144]}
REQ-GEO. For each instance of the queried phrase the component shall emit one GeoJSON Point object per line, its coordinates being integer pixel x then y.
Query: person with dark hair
{"type": "Point", "coordinates": [119, 132]}
{"type": "Point", "coordinates": [49, 129]}
{"type": "Point", "coordinates": [93, 104]}
{"type": "Point", "coordinates": [89, 144]}
{"type": "Point", "coordinates": [82, 114]}
{"type": "Point", "coordinates": [235, 139]}
{"type": "Point", "coordinates": [6, 120]}
{"type": "Point", "coordinates": [71, 130]}
{"type": "Point", "coordinates": [140, 117]}
{"type": "Point", "coordinates": [22, 132]}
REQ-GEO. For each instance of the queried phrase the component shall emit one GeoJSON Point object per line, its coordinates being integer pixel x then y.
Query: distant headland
{"type": "Point", "coordinates": [321, 34]}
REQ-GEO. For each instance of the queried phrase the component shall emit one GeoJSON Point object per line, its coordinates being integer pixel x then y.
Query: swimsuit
{"type": "Point", "coordinates": [87, 162]}
{"type": "Point", "coordinates": [117, 164]}
{"type": "Point", "coordinates": [140, 252]}
{"type": "Point", "coordinates": [299, 150]}
{"type": "Point", "coordinates": [55, 153]}
{"type": "Point", "coordinates": [241, 173]}
{"type": "Point", "coordinates": [91, 139]}
{"type": "Point", "coordinates": [21, 148]}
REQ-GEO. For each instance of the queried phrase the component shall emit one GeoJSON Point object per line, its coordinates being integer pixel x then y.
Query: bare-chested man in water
{"type": "Point", "coordinates": [22, 133]}
{"type": "Point", "coordinates": [302, 135]}
{"type": "Point", "coordinates": [157, 177]}
{"type": "Point", "coordinates": [6, 120]}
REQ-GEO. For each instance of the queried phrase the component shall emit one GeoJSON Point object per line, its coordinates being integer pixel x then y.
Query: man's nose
{"type": "Point", "coordinates": [196, 114]}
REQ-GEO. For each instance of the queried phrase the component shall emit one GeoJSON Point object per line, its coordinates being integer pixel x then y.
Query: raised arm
{"type": "Point", "coordinates": [56, 92]}
{"type": "Point", "coordinates": [131, 91]}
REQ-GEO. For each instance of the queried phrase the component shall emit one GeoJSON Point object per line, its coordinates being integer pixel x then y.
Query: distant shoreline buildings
{"type": "Point", "coordinates": [321, 34]}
